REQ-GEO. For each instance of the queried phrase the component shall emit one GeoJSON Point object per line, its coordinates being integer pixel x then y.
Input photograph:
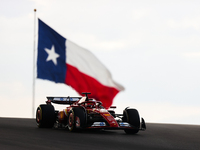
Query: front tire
{"type": "Point", "coordinates": [76, 119]}
{"type": "Point", "coordinates": [132, 117]}
{"type": "Point", "coordinates": [45, 116]}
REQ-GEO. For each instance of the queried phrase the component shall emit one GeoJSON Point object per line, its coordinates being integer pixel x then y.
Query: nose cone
{"type": "Point", "coordinates": [110, 119]}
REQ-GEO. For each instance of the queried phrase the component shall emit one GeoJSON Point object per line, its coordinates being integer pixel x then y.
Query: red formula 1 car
{"type": "Point", "coordinates": [85, 113]}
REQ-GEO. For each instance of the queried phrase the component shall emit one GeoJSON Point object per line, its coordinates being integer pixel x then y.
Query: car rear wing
{"type": "Point", "coordinates": [63, 100]}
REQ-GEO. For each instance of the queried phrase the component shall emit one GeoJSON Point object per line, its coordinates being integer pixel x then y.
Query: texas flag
{"type": "Point", "coordinates": [62, 61]}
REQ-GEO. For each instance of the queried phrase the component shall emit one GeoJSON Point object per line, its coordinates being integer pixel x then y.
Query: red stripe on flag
{"type": "Point", "coordinates": [84, 83]}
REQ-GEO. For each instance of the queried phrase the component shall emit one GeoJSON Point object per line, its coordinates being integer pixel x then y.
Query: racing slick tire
{"type": "Point", "coordinates": [76, 119]}
{"type": "Point", "coordinates": [132, 117]}
{"type": "Point", "coordinates": [45, 116]}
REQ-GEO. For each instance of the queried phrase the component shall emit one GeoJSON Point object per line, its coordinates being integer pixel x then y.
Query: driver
{"type": "Point", "coordinates": [89, 105]}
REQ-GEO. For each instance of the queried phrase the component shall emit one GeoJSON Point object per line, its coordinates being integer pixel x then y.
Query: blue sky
{"type": "Point", "coordinates": [150, 47]}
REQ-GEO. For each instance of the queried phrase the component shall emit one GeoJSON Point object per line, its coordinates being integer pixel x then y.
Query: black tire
{"type": "Point", "coordinates": [132, 117]}
{"type": "Point", "coordinates": [45, 116]}
{"type": "Point", "coordinates": [76, 119]}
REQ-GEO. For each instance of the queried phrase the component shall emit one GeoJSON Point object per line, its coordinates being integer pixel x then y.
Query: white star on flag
{"type": "Point", "coordinates": [52, 55]}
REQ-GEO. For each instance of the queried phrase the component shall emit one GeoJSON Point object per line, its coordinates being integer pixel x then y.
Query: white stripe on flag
{"type": "Point", "coordinates": [87, 63]}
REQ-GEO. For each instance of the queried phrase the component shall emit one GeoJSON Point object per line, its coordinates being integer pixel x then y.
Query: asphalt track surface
{"type": "Point", "coordinates": [23, 134]}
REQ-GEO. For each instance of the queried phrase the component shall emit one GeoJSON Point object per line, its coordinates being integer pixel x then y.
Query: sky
{"type": "Point", "coordinates": [150, 47]}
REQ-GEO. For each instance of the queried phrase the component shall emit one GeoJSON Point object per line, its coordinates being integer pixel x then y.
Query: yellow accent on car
{"type": "Point", "coordinates": [65, 111]}
{"type": "Point", "coordinates": [106, 114]}
{"type": "Point", "coordinates": [61, 115]}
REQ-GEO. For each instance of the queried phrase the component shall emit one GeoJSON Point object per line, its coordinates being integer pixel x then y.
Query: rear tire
{"type": "Point", "coordinates": [76, 119]}
{"type": "Point", "coordinates": [45, 116]}
{"type": "Point", "coordinates": [132, 117]}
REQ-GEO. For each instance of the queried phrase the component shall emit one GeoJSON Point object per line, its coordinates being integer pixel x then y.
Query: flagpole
{"type": "Point", "coordinates": [33, 98]}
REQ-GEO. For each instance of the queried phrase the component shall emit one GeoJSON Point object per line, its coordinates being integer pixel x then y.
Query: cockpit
{"type": "Point", "coordinates": [89, 103]}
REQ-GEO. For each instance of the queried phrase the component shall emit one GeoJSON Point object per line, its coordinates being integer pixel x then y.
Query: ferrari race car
{"type": "Point", "coordinates": [86, 113]}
